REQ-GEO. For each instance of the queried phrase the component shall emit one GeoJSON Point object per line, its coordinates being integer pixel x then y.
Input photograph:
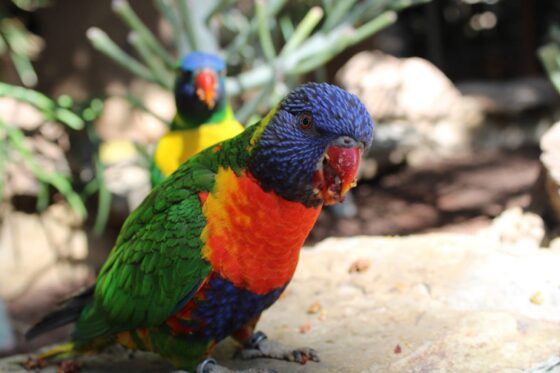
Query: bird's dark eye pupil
{"type": "Point", "coordinates": [305, 121]}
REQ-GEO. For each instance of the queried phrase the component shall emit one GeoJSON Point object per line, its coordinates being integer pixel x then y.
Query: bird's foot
{"type": "Point", "coordinates": [211, 366]}
{"type": "Point", "coordinates": [260, 346]}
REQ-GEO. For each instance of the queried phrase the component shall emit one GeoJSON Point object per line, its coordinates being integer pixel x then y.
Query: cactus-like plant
{"type": "Point", "coordinates": [18, 43]}
{"type": "Point", "coordinates": [550, 57]}
{"type": "Point", "coordinates": [268, 44]}
{"type": "Point", "coordinates": [13, 144]}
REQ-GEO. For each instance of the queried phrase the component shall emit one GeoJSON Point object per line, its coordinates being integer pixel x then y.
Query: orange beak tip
{"type": "Point", "coordinates": [206, 83]}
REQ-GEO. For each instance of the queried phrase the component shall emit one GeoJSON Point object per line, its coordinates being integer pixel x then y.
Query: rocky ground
{"type": "Point", "coordinates": [427, 303]}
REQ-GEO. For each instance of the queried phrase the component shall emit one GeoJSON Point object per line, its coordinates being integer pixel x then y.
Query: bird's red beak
{"type": "Point", "coordinates": [337, 173]}
{"type": "Point", "coordinates": [206, 84]}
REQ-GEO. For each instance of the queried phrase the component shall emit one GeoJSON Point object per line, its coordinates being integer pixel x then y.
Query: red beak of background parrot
{"type": "Point", "coordinates": [206, 84]}
{"type": "Point", "coordinates": [337, 173]}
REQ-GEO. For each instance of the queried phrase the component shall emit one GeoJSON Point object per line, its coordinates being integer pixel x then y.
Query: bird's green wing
{"type": "Point", "coordinates": [156, 263]}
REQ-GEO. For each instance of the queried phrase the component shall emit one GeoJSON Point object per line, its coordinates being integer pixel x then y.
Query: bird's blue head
{"type": "Point", "coordinates": [200, 86]}
{"type": "Point", "coordinates": [308, 149]}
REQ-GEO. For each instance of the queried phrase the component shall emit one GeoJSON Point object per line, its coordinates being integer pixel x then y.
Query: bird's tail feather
{"type": "Point", "coordinates": [69, 312]}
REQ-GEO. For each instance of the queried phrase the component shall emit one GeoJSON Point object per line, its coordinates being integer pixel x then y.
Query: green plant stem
{"type": "Point", "coordinates": [548, 55]}
{"type": "Point", "coordinates": [104, 202]}
{"type": "Point", "coordinates": [252, 105]}
{"type": "Point", "coordinates": [169, 13]}
{"type": "Point", "coordinates": [157, 68]}
{"type": "Point", "coordinates": [122, 9]}
{"type": "Point", "coordinates": [286, 27]}
{"type": "Point", "coordinates": [105, 45]}
{"type": "Point", "coordinates": [220, 7]}
{"type": "Point", "coordinates": [244, 37]}
{"type": "Point", "coordinates": [48, 107]}
{"type": "Point", "coordinates": [3, 163]}
{"type": "Point", "coordinates": [42, 196]}
{"type": "Point", "coordinates": [265, 37]}
{"type": "Point", "coordinates": [337, 13]}
{"type": "Point", "coordinates": [188, 24]}
{"type": "Point", "coordinates": [17, 140]}
{"type": "Point", "coordinates": [303, 30]}
{"type": "Point", "coordinates": [377, 24]}
{"type": "Point", "coordinates": [24, 69]}
{"type": "Point", "coordinates": [256, 77]}
{"type": "Point", "coordinates": [17, 40]}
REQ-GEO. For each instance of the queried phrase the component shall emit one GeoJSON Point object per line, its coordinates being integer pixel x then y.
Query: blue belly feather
{"type": "Point", "coordinates": [226, 308]}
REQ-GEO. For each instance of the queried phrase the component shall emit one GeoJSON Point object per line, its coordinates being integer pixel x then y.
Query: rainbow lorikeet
{"type": "Point", "coordinates": [204, 115]}
{"type": "Point", "coordinates": [217, 242]}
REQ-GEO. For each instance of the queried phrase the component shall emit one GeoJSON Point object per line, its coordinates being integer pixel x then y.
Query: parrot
{"type": "Point", "coordinates": [217, 242]}
{"type": "Point", "coordinates": [204, 115]}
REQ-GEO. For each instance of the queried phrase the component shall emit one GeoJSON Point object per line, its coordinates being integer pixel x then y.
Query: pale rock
{"type": "Point", "coordinates": [554, 244]}
{"type": "Point", "coordinates": [129, 181]}
{"type": "Point", "coordinates": [412, 97]}
{"type": "Point", "coordinates": [20, 114]}
{"type": "Point", "coordinates": [516, 229]}
{"type": "Point", "coordinates": [47, 143]}
{"type": "Point", "coordinates": [120, 120]}
{"type": "Point", "coordinates": [37, 250]}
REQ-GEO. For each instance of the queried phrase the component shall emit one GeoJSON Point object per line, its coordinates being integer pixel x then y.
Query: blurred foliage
{"type": "Point", "coordinates": [21, 46]}
{"type": "Point", "coordinates": [550, 57]}
{"type": "Point", "coordinates": [17, 42]}
{"type": "Point", "coordinates": [13, 144]}
{"type": "Point", "coordinates": [269, 46]}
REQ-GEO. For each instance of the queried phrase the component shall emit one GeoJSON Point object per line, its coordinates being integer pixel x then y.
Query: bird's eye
{"type": "Point", "coordinates": [186, 75]}
{"type": "Point", "coordinates": [305, 121]}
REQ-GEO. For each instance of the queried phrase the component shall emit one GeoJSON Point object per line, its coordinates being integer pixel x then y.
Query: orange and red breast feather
{"type": "Point", "coordinates": [253, 237]}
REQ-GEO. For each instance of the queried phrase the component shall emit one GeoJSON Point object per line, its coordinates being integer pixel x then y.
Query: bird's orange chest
{"type": "Point", "coordinates": [252, 237]}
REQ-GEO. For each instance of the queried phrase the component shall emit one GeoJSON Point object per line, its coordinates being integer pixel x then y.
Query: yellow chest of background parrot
{"type": "Point", "coordinates": [177, 146]}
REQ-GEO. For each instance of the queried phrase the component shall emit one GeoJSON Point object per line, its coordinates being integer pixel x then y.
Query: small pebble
{"type": "Point", "coordinates": [314, 308]}
{"type": "Point", "coordinates": [397, 349]}
{"type": "Point", "coordinates": [360, 265]}
{"type": "Point", "coordinates": [304, 328]}
{"type": "Point", "coordinates": [537, 298]}
{"type": "Point", "coordinates": [34, 364]}
{"type": "Point", "coordinates": [69, 366]}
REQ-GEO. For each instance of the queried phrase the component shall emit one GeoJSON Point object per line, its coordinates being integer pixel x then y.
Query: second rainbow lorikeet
{"type": "Point", "coordinates": [218, 241]}
{"type": "Point", "coordinates": [204, 115]}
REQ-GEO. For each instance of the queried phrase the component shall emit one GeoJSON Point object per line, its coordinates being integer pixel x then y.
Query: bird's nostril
{"type": "Point", "coordinates": [346, 141]}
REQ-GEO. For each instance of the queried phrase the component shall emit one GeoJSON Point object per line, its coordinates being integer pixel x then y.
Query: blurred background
{"type": "Point", "coordinates": [465, 94]}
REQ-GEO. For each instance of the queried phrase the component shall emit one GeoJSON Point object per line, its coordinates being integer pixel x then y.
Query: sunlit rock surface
{"type": "Point", "coordinates": [433, 303]}
{"type": "Point", "coordinates": [40, 250]}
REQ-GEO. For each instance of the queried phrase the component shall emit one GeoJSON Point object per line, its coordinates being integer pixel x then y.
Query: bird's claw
{"type": "Point", "coordinates": [260, 346]}
{"type": "Point", "coordinates": [211, 366]}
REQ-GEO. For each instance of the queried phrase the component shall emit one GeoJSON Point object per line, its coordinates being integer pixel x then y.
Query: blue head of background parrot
{"type": "Point", "coordinates": [200, 87]}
